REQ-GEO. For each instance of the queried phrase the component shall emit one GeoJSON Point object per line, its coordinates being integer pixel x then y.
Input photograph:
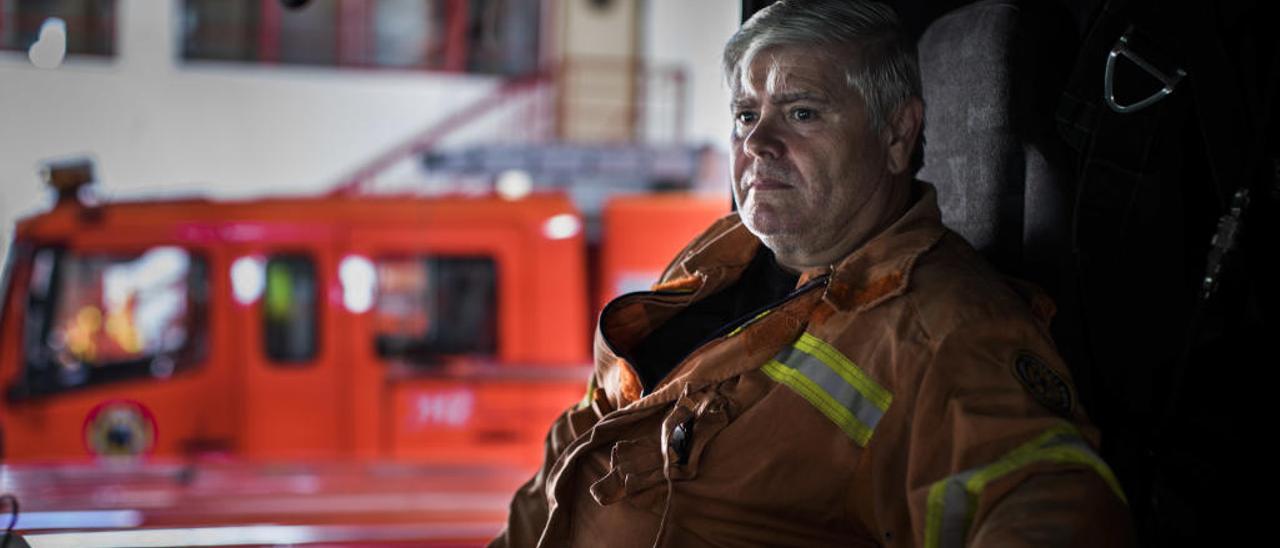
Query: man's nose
{"type": "Point", "coordinates": [764, 139]}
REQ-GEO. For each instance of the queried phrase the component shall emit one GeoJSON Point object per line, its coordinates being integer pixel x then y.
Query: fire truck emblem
{"type": "Point", "coordinates": [120, 428]}
{"type": "Point", "coordinates": [1046, 386]}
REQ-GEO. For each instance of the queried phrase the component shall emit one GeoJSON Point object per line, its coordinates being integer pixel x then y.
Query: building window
{"type": "Point", "coordinates": [429, 308]}
{"type": "Point", "coordinates": [289, 302]}
{"type": "Point", "coordinates": [90, 24]}
{"type": "Point", "coordinates": [478, 36]}
{"type": "Point", "coordinates": [101, 317]}
{"type": "Point", "coordinates": [220, 30]}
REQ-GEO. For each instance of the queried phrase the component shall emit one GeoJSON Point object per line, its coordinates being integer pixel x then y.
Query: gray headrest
{"type": "Point", "coordinates": [992, 72]}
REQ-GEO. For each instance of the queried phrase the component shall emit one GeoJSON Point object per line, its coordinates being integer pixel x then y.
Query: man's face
{"type": "Point", "coordinates": [806, 163]}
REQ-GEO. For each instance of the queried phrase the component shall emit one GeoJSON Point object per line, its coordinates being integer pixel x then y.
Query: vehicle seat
{"type": "Point", "coordinates": [992, 73]}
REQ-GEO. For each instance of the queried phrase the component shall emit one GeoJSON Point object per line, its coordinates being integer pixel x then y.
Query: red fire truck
{"type": "Point", "coordinates": [440, 332]}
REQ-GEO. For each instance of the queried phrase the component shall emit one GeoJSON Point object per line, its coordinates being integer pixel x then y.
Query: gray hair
{"type": "Point", "coordinates": [886, 72]}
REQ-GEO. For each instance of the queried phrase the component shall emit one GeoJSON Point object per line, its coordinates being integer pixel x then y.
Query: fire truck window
{"type": "Point", "coordinates": [289, 309]}
{"type": "Point", "coordinates": [95, 318]}
{"type": "Point", "coordinates": [430, 308]}
{"type": "Point", "coordinates": [89, 25]}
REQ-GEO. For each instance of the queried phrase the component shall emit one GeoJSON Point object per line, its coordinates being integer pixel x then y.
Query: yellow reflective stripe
{"type": "Point", "coordinates": [952, 501]}
{"type": "Point", "coordinates": [847, 370]}
{"type": "Point", "coordinates": [815, 395]}
{"type": "Point", "coordinates": [591, 391]}
{"type": "Point", "coordinates": [832, 383]}
{"type": "Point", "coordinates": [933, 515]}
{"type": "Point", "coordinates": [1065, 455]}
{"type": "Point", "coordinates": [739, 329]}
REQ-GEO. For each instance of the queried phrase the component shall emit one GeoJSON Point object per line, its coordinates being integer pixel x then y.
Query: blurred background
{"type": "Point", "coordinates": [291, 272]}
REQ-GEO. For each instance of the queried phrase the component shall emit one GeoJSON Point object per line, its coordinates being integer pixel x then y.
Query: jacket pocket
{"type": "Point", "coordinates": [634, 466]}
{"type": "Point", "coordinates": [675, 451]}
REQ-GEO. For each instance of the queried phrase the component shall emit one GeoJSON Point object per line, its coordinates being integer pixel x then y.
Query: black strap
{"type": "Point", "coordinates": [1234, 117]}
{"type": "Point", "coordinates": [1238, 132]}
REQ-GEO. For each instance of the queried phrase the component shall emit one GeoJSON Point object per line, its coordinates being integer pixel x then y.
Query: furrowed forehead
{"type": "Point", "coordinates": [786, 73]}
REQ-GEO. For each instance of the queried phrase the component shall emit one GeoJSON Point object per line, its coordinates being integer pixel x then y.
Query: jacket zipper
{"type": "Point", "coordinates": [727, 328]}
{"type": "Point", "coordinates": [754, 314]}
{"type": "Point", "coordinates": [742, 321]}
{"type": "Point", "coordinates": [715, 335]}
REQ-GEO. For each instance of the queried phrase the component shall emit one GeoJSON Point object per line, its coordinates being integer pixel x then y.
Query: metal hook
{"type": "Point", "coordinates": [1122, 48]}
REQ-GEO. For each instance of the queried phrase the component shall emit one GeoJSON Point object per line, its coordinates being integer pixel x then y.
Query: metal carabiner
{"type": "Point", "coordinates": [1122, 48]}
{"type": "Point", "coordinates": [1224, 242]}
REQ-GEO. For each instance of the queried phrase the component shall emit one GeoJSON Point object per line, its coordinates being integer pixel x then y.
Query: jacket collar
{"type": "Point", "coordinates": [719, 261]}
{"type": "Point", "coordinates": [877, 271]}
{"type": "Point", "coordinates": [881, 268]}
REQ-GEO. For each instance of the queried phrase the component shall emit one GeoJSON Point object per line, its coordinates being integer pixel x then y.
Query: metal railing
{"type": "Point", "coordinates": [593, 100]}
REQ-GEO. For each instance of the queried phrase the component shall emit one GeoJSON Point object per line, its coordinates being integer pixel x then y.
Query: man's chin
{"type": "Point", "coordinates": [785, 239]}
{"type": "Point", "coordinates": [766, 221]}
{"type": "Point", "coordinates": [776, 237]}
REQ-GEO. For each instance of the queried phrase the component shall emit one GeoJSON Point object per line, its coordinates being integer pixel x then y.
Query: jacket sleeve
{"type": "Point", "coordinates": [999, 452]}
{"type": "Point", "coordinates": [528, 511]}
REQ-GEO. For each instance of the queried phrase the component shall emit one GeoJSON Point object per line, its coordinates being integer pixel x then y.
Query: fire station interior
{"type": "Point", "coordinates": [324, 271]}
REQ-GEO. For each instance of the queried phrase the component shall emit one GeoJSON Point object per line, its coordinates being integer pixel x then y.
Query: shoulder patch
{"type": "Point", "coordinates": [1045, 385]}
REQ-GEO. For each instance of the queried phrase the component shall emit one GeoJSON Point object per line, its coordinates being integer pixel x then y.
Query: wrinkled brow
{"type": "Point", "coordinates": [781, 86]}
{"type": "Point", "coordinates": [783, 97]}
{"type": "Point", "coordinates": [787, 96]}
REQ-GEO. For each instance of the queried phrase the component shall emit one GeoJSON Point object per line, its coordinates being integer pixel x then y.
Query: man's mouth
{"type": "Point", "coordinates": [768, 183]}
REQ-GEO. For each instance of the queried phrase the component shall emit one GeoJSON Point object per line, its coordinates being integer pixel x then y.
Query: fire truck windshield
{"type": "Point", "coordinates": [98, 317]}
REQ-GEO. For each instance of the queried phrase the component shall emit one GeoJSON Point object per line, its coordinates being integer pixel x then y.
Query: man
{"type": "Point", "coordinates": [830, 366]}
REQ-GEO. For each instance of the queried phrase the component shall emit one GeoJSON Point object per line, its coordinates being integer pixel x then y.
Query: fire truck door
{"type": "Point", "coordinates": [443, 294]}
{"type": "Point", "coordinates": [284, 282]}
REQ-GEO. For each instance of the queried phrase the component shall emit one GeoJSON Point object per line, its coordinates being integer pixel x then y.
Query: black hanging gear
{"type": "Point", "coordinates": [1170, 110]}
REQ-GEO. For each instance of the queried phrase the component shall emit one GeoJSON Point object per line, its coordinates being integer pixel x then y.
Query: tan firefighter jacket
{"type": "Point", "coordinates": [907, 397]}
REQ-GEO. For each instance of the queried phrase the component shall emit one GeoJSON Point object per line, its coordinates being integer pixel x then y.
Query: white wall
{"type": "Point", "coordinates": [156, 125]}
{"type": "Point", "coordinates": [692, 33]}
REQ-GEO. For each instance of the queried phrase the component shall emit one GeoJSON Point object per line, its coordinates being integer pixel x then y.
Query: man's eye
{"type": "Point", "coordinates": [804, 114]}
{"type": "Point", "coordinates": [745, 116]}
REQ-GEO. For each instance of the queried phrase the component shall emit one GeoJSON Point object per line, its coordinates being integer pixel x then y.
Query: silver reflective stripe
{"type": "Point", "coordinates": [953, 500]}
{"type": "Point", "coordinates": [833, 384]}
{"type": "Point", "coordinates": [955, 522]}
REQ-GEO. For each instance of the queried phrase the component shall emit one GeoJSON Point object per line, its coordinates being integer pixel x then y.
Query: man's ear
{"type": "Point", "coordinates": [901, 133]}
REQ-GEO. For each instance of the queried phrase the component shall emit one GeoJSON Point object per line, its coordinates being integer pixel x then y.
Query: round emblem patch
{"type": "Point", "coordinates": [1046, 386]}
{"type": "Point", "coordinates": [119, 428]}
